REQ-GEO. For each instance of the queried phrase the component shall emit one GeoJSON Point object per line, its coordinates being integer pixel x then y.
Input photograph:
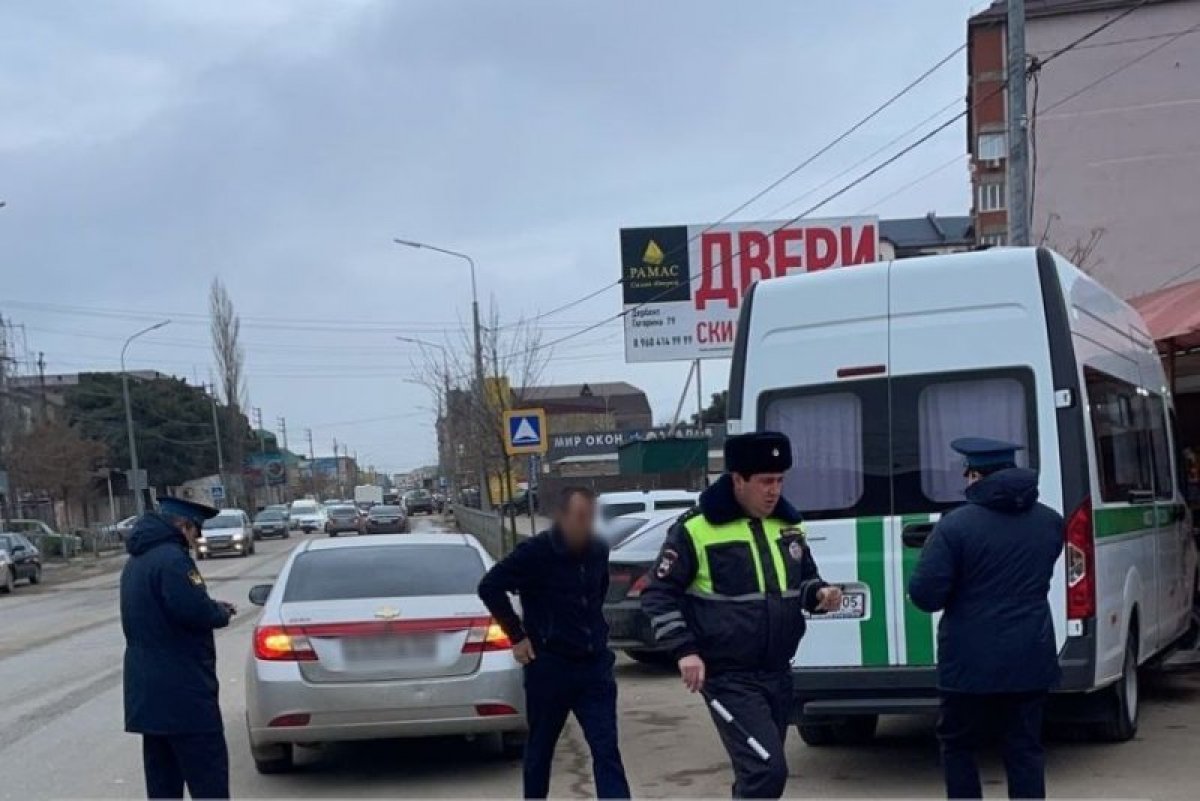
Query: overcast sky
{"type": "Point", "coordinates": [147, 146]}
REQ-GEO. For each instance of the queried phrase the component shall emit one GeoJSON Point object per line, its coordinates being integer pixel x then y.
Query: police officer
{"type": "Point", "coordinates": [170, 657]}
{"type": "Point", "coordinates": [728, 596]}
{"type": "Point", "coordinates": [987, 567]}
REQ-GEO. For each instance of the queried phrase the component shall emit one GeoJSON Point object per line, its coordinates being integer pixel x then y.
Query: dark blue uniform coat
{"type": "Point", "coordinates": [987, 566]}
{"type": "Point", "coordinates": [168, 620]}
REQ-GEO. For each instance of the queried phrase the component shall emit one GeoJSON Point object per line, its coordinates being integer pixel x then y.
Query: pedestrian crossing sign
{"type": "Point", "coordinates": [525, 431]}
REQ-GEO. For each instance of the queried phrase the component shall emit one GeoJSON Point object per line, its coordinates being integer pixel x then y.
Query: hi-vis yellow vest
{"type": "Point", "coordinates": [705, 535]}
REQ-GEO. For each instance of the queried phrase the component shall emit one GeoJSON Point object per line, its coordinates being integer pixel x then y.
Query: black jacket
{"type": "Point", "coordinates": [168, 620]}
{"type": "Point", "coordinates": [562, 596]}
{"type": "Point", "coordinates": [987, 567]}
{"type": "Point", "coordinates": [732, 631]}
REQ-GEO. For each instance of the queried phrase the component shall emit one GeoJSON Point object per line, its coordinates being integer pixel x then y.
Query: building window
{"type": "Point", "coordinates": [991, 196]}
{"type": "Point", "coordinates": [994, 240]}
{"type": "Point", "coordinates": [992, 146]}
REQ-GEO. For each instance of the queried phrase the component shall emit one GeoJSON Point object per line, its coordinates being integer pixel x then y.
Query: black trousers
{"type": "Point", "coordinates": [199, 761]}
{"type": "Point", "coordinates": [968, 720]}
{"type": "Point", "coordinates": [762, 703]}
{"type": "Point", "coordinates": [556, 687]}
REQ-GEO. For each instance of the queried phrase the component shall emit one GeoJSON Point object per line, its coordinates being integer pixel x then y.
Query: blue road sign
{"type": "Point", "coordinates": [525, 431]}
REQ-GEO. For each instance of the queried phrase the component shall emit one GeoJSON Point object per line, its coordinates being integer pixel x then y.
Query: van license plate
{"type": "Point", "coordinates": [854, 605]}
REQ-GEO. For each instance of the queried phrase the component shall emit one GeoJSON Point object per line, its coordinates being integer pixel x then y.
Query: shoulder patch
{"type": "Point", "coordinates": [195, 577]}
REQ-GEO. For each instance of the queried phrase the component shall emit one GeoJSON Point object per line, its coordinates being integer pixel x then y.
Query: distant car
{"type": "Point", "coordinates": [20, 560]}
{"type": "Point", "coordinates": [230, 532]}
{"type": "Point", "coordinates": [520, 503]}
{"type": "Point", "coordinates": [418, 500]}
{"type": "Point", "coordinates": [121, 529]}
{"type": "Point", "coordinates": [629, 566]}
{"type": "Point", "coordinates": [340, 519]}
{"type": "Point", "coordinates": [385, 520]}
{"type": "Point", "coordinates": [43, 536]}
{"type": "Point", "coordinates": [271, 522]}
{"type": "Point", "coordinates": [306, 515]}
{"type": "Point", "coordinates": [375, 638]}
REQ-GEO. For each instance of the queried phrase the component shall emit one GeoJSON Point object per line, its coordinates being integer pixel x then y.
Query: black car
{"type": "Point", "coordinates": [20, 560]}
{"type": "Point", "coordinates": [342, 518]}
{"type": "Point", "coordinates": [271, 523]}
{"type": "Point", "coordinates": [629, 566]}
{"type": "Point", "coordinates": [385, 520]}
{"type": "Point", "coordinates": [521, 502]}
{"type": "Point", "coordinates": [418, 501]}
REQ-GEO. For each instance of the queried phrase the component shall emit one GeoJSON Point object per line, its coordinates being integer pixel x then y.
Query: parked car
{"type": "Point", "coordinates": [629, 566]}
{"type": "Point", "coordinates": [617, 530]}
{"type": "Point", "coordinates": [271, 522]}
{"type": "Point", "coordinates": [385, 520]}
{"type": "Point", "coordinates": [230, 532]}
{"type": "Point", "coordinates": [46, 539]}
{"type": "Point", "coordinates": [20, 560]}
{"type": "Point", "coordinates": [616, 504]}
{"type": "Point", "coordinates": [418, 500]}
{"type": "Point", "coordinates": [521, 502]}
{"type": "Point", "coordinates": [340, 519]}
{"type": "Point", "coordinates": [381, 637]}
{"type": "Point", "coordinates": [306, 515]}
{"type": "Point", "coordinates": [121, 529]}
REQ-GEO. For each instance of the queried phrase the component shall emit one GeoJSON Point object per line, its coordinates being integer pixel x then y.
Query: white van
{"type": "Point", "coordinates": [872, 371]}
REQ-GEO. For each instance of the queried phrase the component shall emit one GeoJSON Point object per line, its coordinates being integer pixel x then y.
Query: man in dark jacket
{"type": "Point", "coordinates": [561, 576]}
{"type": "Point", "coordinates": [170, 657]}
{"type": "Point", "coordinates": [728, 596]}
{"type": "Point", "coordinates": [987, 567]}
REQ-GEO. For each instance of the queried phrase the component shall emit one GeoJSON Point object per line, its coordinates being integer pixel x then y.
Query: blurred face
{"type": "Point", "coordinates": [190, 532]}
{"type": "Point", "coordinates": [972, 476]}
{"type": "Point", "coordinates": [758, 494]}
{"type": "Point", "coordinates": [575, 520]}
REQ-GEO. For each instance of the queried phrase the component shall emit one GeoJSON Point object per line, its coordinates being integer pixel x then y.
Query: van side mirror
{"type": "Point", "coordinates": [259, 594]}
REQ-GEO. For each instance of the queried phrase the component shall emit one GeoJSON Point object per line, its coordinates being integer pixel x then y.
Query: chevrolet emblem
{"type": "Point", "coordinates": [387, 613]}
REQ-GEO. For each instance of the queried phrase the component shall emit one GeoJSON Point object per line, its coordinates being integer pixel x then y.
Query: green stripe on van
{"type": "Point", "coordinates": [872, 632]}
{"type": "Point", "coordinates": [1115, 521]}
{"type": "Point", "coordinates": [918, 625]}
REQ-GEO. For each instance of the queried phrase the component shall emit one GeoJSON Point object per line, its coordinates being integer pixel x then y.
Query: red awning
{"type": "Point", "coordinates": [1173, 314]}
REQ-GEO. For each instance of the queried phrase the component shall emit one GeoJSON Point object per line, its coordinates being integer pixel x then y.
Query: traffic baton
{"type": "Point", "coordinates": [727, 716]}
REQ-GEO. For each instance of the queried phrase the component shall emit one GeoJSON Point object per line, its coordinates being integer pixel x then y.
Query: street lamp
{"type": "Point", "coordinates": [133, 456]}
{"type": "Point", "coordinates": [408, 243]}
{"type": "Point", "coordinates": [424, 343]}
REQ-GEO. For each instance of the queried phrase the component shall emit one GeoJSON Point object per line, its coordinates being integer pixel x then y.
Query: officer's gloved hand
{"type": "Point", "coordinates": [229, 608]}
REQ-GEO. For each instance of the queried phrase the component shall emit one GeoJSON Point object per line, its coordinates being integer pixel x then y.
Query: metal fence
{"type": "Point", "coordinates": [487, 527]}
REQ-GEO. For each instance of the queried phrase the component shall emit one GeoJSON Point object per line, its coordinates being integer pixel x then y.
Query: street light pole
{"type": "Point", "coordinates": [484, 501]}
{"type": "Point", "coordinates": [453, 466]}
{"type": "Point", "coordinates": [133, 454]}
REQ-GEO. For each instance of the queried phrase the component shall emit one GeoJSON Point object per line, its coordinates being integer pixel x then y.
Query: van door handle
{"type": "Point", "coordinates": [1141, 496]}
{"type": "Point", "coordinates": [913, 535]}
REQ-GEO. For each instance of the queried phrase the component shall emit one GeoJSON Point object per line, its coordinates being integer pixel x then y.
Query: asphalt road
{"type": "Point", "coordinates": [61, 719]}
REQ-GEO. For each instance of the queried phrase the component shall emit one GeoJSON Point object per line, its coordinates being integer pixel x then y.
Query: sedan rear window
{"type": "Point", "coordinates": [384, 571]}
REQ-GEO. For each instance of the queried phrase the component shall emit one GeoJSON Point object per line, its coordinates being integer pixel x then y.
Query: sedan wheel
{"type": "Point", "coordinates": [273, 759]}
{"type": "Point", "coordinates": [9, 581]}
{"type": "Point", "coordinates": [36, 576]}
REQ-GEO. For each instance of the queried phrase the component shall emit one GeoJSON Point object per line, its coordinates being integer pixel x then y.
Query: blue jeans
{"type": "Point", "coordinates": [556, 687]}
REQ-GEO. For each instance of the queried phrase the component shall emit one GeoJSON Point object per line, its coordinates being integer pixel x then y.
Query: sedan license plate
{"type": "Point", "coordinates": [854, 606]}
{"type": "Point", "coordinates": [378, 649]}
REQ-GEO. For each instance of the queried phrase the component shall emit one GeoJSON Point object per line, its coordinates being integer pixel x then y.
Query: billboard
{"type": "Point", "coordinates": [265, 469]}
{"type": "Point", "coordinates": [598, 443]}
{"type": "Point", "coordinates": [683, 284]}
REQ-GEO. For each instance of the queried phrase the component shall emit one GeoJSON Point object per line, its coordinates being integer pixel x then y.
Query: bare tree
{"type": "Point", "coordinates": [1081, 252]}
{"type": "Point", "coordinates": [226, 327]}
{"type": "Point", "coordinates": [52, 458]}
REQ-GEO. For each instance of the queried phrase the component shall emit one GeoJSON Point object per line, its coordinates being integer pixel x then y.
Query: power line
{"type": "Point", "coordinates": [778, 181]}
{"type": "Point", "coordinates": [1093, 32]}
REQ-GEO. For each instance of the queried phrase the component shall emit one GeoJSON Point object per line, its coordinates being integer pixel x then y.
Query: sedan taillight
{"type": "Point", "coordinates": [278, 644]}
{"type": "Point", "coordinates": [488, 637]}
{"type": "Point", "coordinates": [635, 589]}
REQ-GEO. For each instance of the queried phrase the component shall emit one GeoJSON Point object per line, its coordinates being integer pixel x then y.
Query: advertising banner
{"type": "Point", "coordinates": [683, 285]}
{"type": "Point", "coordinates": [265, 469]}
{"type": "Point", "coordinates": [597, 443]}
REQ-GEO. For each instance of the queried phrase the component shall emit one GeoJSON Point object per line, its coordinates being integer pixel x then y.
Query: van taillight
{"type": "Point", "coordinates": [1081, 563]}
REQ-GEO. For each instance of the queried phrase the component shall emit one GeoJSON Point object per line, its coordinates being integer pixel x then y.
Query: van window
{"type": "Point", "coordinates": [946, 411]}
{"type": "Point", "coordinates": [684, 503]}
{"type": "Point", "coordinates": [827, 448]}
{"type": "Point", "coordinates": [1159, 449]}
{"type": "Point", "coordinates": [1119, 436]}
{"type": "Point", "coordinates": [611, 510]}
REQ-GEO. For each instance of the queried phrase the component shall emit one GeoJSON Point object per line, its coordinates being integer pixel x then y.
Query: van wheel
{"type": "Point", "coordinates": [817, 735]}
{"type": "Point", "coordinates": [855, 729]}
{"type": "Point", "coordinates": [1122, 702]}
{"type": "Point", "coordinates": [274, 758]}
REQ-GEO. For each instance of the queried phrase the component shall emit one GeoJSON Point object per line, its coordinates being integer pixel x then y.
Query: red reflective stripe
{"type": "Point", "coordinates": [369, 628]}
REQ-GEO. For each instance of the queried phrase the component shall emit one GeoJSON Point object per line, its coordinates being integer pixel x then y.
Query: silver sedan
{"type": "Point", "coordinates": [379, 637]}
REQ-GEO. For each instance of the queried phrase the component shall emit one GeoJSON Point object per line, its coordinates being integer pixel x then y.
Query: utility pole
{"type": "Point", "coordinates": [312, 481]}
{"type": "Point", "coordinates": [134, 472]}
{"type": "Point", "coordinates": [262, 437]}
{"type": "Point", "coordinates": [41, 363]}
{"type": "Point", "coordinates": [337, 466]}
{"type": "Point", "coordinates": [283, 431]}
{"type": "Point", "coordinates": [217, 433]}
{"type": "Point", "coordinates": [1018, 120]}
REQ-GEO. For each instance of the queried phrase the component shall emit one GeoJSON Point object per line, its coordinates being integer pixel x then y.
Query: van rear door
{"type": "Point", "coordinates": [969, 356]}
{"type": "Point", "coordinates": [819, 374]}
